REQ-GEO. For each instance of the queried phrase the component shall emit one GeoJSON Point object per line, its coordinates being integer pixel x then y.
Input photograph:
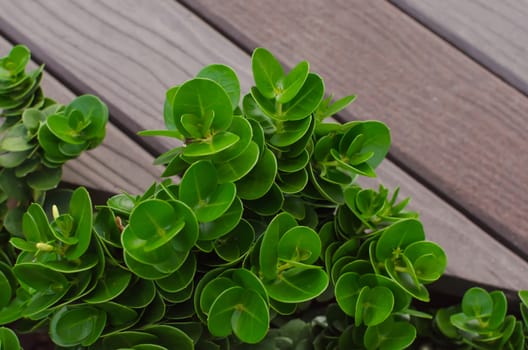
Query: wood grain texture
{"type": "Point", "coordinates": [494, 33]}
{"type": "Point", "coordinates": [455, 126]}
{"type": "Point", "coordinates": [108, 47]}
{"type": "Point", "coordinates": [110, 166]}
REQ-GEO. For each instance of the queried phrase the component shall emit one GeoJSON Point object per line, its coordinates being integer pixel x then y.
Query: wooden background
{"type": "Point", "coordinates": [458, 119]}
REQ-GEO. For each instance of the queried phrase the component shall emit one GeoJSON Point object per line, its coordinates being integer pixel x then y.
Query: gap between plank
{"type": "Point", "coordinates": [494, 68]}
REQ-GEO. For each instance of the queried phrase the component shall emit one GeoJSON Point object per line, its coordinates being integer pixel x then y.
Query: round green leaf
{"type": "Point", "coordinates": [328, 190]}
{"type": "Point", "coordinates": [212, 291]}
{"type": "Point", "coordinates": [226, 77]}
{"type": "Point", "coordinates": [16, 139]}
{"type": "Point", "coordinates": [59, 125]}
{"type": "Point", "coordinates": [304, 103]}
{"type": "Point", "coordinates": [13, 159]}
{"type": "Point", "coordinates": [5, 291]}
{"type": "Point", "coordinates": [154, 312]}
{"type": "Point", "coordinates": [170, 337]}
{"type": "Point", "coordinates": [292, 183]}
{"type": "Point", "coordinates": [246, 279]}
{"type": "Point", "coordinates": [155, 220]}
{"type": "Point", "coordinates": [200, 96]}
{"type": "Point", "coordinates": [81, 211]}
{"type": "Point", "coordinates": [376, 305]}
{"type": "Point", "coordinates": [86, 262]}
{"type": "Point", "coordinates": [15, 62]}
{"type": "Point", "coordinates": [39, 277]}
{"type": "Point", "coordinates": [399, 235]}
{"type": "Point", "coordinates": [81, 325]}
{"type": "Point", "coordinates": [260, 179]}
{"type": "Point", "coordinates": [119, 317]}
{"type": "Point", "coordinates": [242, 128]}
{"type": "Point", "coordinates": [138, 294]}
{"type": "Point", "coordinates": [290, 132]}
{"type": "Point", "coordinates": [297, 285]}
{"type": "Point", "coordinates": [269, 204]}
{"type": "Point", "coordinates": [207, 199]}
{"type": "Point", "coordinates": [171, 254]}
{"type": "Point", "coordinates": [237, 168]}
{"type": "Point", "coordinates": [376, 139]}
{"type": "Point", "coordinates": [477, 303]}
{"type": "Point", "coordinates": [347, 290]}
{"type": "Point", "coordinates": [45, 179]}
{"type": "Point", "coordinates": [105, 227]}
{"type": "Point", "coordinates": [94, 111]}
{"type": "Point", "coordinates": [8, 339]}
{"type": "Point", "coordinates": [114, 282]}
{"type": "Point", "coordinates": [50, 144]}
{"type": "Point", "coordinates": [236, 243]}
{"type": "Point", "coordinates": [268, 72]}
{"type": "Point", "coordinates": [13, 311]}
{"type": "Point", "coordinates": [402, 299]}
{"type": "Point", "coordinates": [337, 266]}
{"type": "Point", "coordinates": [291, 165]}
{"type": "Point", "coordinates": [442, 322]}
{"type": "Point", "coordinates": [293, 82]}
{"type": "Point", "coordinates": [500, 308]}
{"type": "Point", "coordinates": [145, 271]}
{"type": "Point", "coordinates": [428, 259]}
{"type": "Point", "coordinates": [215, 144]}
{"type": "Point", "coordinates": [243, 312]}
{"type": "Point", "coordinates": [300, 243]}
{"type": "Point", "coordinates": [122, 203]}
{"type": "Point", "coordinates": [268, 255]}
{"type": "Point", "coordinates": [181, 278]}
{"type": "Point", "coordinates": [389, 335]}
{"type": "Point", "coordinates": [224, 224]}
{"type": "Point", "coordinates": [402, 272]}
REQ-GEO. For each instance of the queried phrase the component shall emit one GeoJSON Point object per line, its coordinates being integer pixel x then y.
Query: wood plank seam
{"type": "Point", "coordinates": [486, 61]}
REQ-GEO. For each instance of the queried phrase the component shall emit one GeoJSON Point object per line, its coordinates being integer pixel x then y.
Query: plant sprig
{"type": "Point", "coordinates": [266, 226]}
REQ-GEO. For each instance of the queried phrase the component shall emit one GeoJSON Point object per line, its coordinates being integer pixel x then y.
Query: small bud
{"type": "Point", "coordinates": [45, 247]}
{"type": "Point", "coordinates": [119, 224]}
{"type": "Point", "coordinates": [55, 212]}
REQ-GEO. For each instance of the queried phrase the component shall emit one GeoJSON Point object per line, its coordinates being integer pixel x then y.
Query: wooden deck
{"type": "Point", "coordinates": [452, 89]}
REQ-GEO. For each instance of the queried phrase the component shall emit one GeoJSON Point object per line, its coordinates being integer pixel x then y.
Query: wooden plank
{"type": "Point", "coordinates": [494, 33]}
{"type": "Point", "coordinates": [109, 48]}
{"type": "Point", "coordinates": [455, 126]}
{"type": "Point", "coordinates": [107, 167]}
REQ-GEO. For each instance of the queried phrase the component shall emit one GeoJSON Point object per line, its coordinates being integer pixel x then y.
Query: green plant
{"type": "Point", "coordinates": [266, 241]}
{"type": "Point", "coordinates": [37, 137]}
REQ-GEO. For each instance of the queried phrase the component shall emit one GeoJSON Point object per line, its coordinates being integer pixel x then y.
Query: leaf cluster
{"type": "Point", "coordinates": [258, 238]}
{"type": "Point", "coordinates": [38, 136]}
{"type": "Point", "coordinates": [481, 322]}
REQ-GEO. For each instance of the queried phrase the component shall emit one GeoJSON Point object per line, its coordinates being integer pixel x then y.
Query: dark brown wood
{"type": "Point", "coordinates": [110, 166]}
{"type": "Point", "coordinates": [494, 33]}
{"type": "Point", "coordinates": [455, 126]}
{"type": "Point", "coordinates": [129, 52]}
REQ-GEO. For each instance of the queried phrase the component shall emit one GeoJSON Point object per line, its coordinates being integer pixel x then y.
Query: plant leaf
{"type": "Point", "coordinates": [267, 72]}
{"type": "Point", "coordinates": [226, 77]}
